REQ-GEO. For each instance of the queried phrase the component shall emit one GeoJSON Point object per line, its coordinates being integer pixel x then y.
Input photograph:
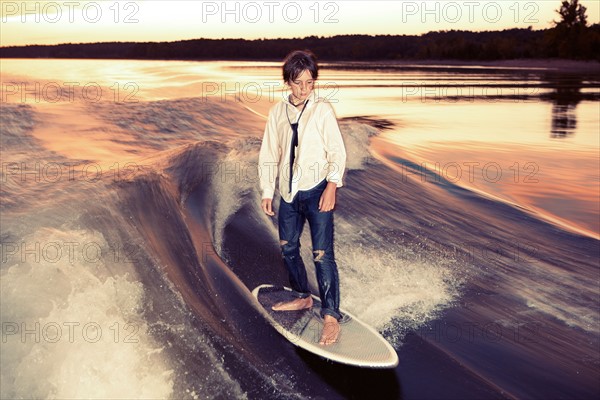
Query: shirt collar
{"type": "Point", "coordinates": [312, 97]}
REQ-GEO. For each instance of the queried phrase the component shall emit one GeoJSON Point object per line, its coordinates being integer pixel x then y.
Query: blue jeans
{"type": "Point", "coordinates": [305, 206]}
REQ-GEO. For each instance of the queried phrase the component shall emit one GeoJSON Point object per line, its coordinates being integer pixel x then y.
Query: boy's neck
{"type": "Point", "coordinates": [297, 102]}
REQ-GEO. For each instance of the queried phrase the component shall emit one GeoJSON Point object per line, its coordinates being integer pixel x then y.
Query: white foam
{"type": "Point", "coordinates": [356, 140]}
{"type": "Point", "coordinates": [393, 287]}
{"type": "Point", "coordinates": [235, 175]}
{"type": "Point", "coordinates": [79, 333]}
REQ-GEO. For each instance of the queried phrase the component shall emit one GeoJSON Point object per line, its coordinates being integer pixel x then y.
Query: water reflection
{"type": "Point", "coordinates": [444, 116]}
{"type": "Point", "coordinates": [565, 97]}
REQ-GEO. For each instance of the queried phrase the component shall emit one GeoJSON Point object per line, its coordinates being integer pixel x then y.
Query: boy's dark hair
{"type": "Point", "coordinates": [296, 62]}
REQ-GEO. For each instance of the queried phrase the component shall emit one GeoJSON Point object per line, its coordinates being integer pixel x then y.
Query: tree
{"type": "Point", "coordinates": [568, 38]}
{"type": "Point", "coordinates": [572, 15]}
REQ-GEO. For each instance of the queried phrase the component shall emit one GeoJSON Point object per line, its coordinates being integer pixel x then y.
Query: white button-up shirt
{"type": "Point", "coordinates": [320, 153]}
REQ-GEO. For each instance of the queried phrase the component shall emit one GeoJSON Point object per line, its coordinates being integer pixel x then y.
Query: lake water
{"type": "Point", "coordinates": [530, 138]}
{"type": "Point", "coordinates": [467, 231]}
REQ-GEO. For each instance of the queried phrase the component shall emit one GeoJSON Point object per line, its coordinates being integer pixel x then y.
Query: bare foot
{"type": "Point", "coordinates": [331, 331]}
{"type": "Point", "coordinates": [294, 305]}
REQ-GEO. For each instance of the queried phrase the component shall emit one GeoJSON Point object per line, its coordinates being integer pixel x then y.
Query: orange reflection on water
{"type": "Point", "coordinates": [539, 151]}
{"type": "Point", "coordinates": [561, 190]}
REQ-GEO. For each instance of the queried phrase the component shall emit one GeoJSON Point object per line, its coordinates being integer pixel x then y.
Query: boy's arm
{"type": "Point", "coordinates": [268, 158]}
{"type": "Point", "coordinates": [327, 200]}
{"type": "Point", "coordinates": [334, 148]}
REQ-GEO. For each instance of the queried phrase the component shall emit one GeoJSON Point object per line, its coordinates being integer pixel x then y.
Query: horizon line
{"type": "Point", "coordinates": [292, 38]}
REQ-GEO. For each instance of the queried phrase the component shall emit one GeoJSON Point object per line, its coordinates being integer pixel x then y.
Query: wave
{"type": "Point", "coordinates": [140, 287]}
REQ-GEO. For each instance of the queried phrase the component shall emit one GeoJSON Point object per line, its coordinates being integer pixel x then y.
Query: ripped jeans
{"type": "Point", "coordinates": [305, 206]}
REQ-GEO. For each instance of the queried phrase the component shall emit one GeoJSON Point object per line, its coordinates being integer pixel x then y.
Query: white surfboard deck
{"type": "Point", "coordinates": [358, 344]}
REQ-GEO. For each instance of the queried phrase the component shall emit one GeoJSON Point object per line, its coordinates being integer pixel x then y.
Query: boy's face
{"type": "Point", "coordinates": [302, 86]}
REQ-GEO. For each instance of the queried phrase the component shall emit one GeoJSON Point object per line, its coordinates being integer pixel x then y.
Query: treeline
{"type": "Point", "coordinates": [582, 44]}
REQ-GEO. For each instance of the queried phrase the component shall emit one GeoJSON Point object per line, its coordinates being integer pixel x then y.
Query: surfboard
{"type": "Point", "coordinates": [358, 344]}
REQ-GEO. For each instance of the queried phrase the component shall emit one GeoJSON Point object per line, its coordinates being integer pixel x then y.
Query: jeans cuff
{"type": "Point", "coordinates": [329, 311]}
{"type": "Point", "coordinates": [300, 295]}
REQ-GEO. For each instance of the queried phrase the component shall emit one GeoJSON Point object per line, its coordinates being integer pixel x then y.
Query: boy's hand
{"type": "Point", "coordinates": [327, 201]}
{"type": "Point", "coordinates": [267, 206]}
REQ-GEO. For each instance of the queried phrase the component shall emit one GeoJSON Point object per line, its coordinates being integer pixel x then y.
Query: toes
{"type": "Point", "coordinates": [327, 341]}
{"type": "Point", "coordinates": [330, 334]}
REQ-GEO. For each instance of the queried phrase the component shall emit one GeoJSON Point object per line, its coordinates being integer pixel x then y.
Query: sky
{"type": "Point", "coordinates": [54, 22]}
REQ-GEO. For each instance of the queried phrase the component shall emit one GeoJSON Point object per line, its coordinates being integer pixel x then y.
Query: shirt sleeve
{"type": "Point", "coordinates": [334, 147]}
{"type": "Point", "coordinates": [268, 158]}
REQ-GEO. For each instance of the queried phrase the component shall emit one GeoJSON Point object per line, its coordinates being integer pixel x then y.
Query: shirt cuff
{"type": "Point", "coordinates": [337, 182]}
{"type": "Point", "coordinates": [268, 193]}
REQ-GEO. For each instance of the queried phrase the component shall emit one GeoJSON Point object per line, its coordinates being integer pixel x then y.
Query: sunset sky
{"type": "Point", "coordinates": [53, 22]}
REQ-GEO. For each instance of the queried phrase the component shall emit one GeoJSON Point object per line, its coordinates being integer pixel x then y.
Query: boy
{"type": "Point", "coordinates": [303, 139]}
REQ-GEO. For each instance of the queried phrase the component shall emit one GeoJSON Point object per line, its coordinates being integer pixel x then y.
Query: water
{"type": "Point", "coordinates": [131, 234]}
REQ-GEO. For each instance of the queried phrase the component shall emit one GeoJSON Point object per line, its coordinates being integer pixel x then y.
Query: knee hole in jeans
{"type": "Point", "coordinates": [318, 255]}
{"type": "Point", "coordinates": [289, 249]}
